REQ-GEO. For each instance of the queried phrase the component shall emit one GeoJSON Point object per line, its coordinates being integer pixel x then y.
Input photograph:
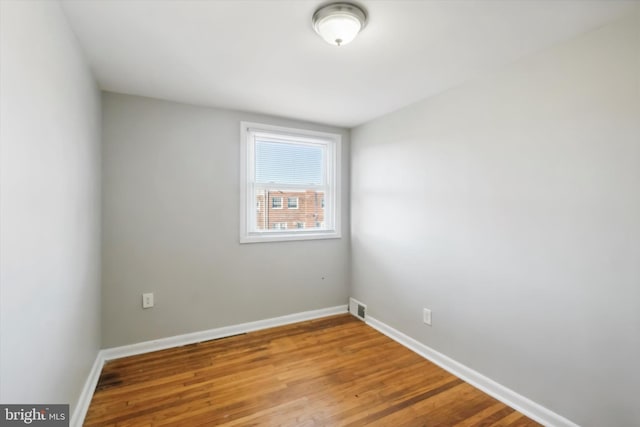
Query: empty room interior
{"type": "Point", "coordinates": [307, 213]}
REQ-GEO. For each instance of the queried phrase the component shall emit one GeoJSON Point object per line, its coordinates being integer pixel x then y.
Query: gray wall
{"type": "Point", "coordinates": [49, 208]}
{"type": "Point", "coordinates": [171, 226]}
{"type": "Point", "coordinates": [510, 206]}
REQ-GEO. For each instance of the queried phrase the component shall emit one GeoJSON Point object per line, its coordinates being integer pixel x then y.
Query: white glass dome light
{"type": "Point", "coordinates": [339, 23]}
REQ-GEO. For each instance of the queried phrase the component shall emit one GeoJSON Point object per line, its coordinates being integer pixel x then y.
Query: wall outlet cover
{"type": "Point", "coordinates": [147, 300]}
{"type": "Point", "coordinates": [426, 316]}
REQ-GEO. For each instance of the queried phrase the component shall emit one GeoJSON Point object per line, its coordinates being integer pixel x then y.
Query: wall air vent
{"type": "Point", "coordinates": [357, 309]}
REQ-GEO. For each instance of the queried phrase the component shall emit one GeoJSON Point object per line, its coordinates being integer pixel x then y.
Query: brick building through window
{"type": "Point", "coordinates": [302, 209]}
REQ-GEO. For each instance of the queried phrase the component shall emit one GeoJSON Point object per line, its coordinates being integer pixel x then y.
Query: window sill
{"type": "Point", "coordinates": [288, 237]}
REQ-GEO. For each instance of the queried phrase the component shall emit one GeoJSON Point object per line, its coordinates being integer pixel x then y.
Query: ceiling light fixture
{"type": "Point", "coordinates": [339, 23]}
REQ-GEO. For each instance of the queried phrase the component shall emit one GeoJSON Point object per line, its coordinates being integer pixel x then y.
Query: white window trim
{"type": "Point", "coordinates": [334, 145]}
{"type": "Point", "coordinates": [281, 202]}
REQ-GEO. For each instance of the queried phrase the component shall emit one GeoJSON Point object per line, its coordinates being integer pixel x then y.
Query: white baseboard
{"type": "Point", "coordinates": [82, 405]}
{"type": "Point", "coordinates": [518, 402]}
{"type": "Point", "coordinates": [211, 334]}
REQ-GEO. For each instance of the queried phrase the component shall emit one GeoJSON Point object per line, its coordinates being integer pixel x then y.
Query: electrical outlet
{"type": "Point", "coordinates": [426, 316]}
{"type": "Point", "coordinates": [147, 300]}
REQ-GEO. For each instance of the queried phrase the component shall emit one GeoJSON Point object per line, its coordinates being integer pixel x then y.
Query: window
{"type": "Point", "coordinates": [301, 166]}
{"type": "Point", "coordinates": [276, 203]}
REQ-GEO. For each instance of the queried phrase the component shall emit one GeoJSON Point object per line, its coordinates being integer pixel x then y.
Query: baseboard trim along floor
{"type": "Point", "coordinates": [82, 405]}
{"type": "Point", "coordinates": [104, 355]}
{"type": "Point", "coordinates": [507, 396]}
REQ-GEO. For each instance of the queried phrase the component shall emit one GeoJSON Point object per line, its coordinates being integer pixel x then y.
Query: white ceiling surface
{"type": "Point", "coordinates": [263, 56]}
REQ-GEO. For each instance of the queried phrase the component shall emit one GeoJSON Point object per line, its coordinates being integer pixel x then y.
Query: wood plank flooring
{"type": "Point", "coordinates": [335, 371]}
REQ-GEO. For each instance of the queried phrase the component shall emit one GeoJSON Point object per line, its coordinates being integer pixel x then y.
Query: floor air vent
{"type": "Point", "coordinates": [357, 308]}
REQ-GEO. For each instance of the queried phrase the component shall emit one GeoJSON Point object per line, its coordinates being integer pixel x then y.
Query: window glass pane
{"type": "Point", "coordinates": [288, 163]}
{"type": "Point", "coordinates": [310, 214]}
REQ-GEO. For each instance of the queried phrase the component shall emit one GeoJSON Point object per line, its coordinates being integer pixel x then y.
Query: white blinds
{"type": "Point", "coordinates": [289, 163]}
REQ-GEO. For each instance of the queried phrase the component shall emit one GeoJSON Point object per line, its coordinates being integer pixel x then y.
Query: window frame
{"type": "Point", "coordinates": [332, 215]}
{"type": "Point", "coordinates": [273, 200]}
{"type": "Point", "coordinates": [297, 199]}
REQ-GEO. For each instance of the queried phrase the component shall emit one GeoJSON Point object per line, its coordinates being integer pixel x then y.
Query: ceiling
{"type": "Point", "coordinates": [263, 55]}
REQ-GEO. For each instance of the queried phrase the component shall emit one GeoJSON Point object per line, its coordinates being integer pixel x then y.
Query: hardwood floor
{"type": "Point", "coordinates": [335, 371]}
